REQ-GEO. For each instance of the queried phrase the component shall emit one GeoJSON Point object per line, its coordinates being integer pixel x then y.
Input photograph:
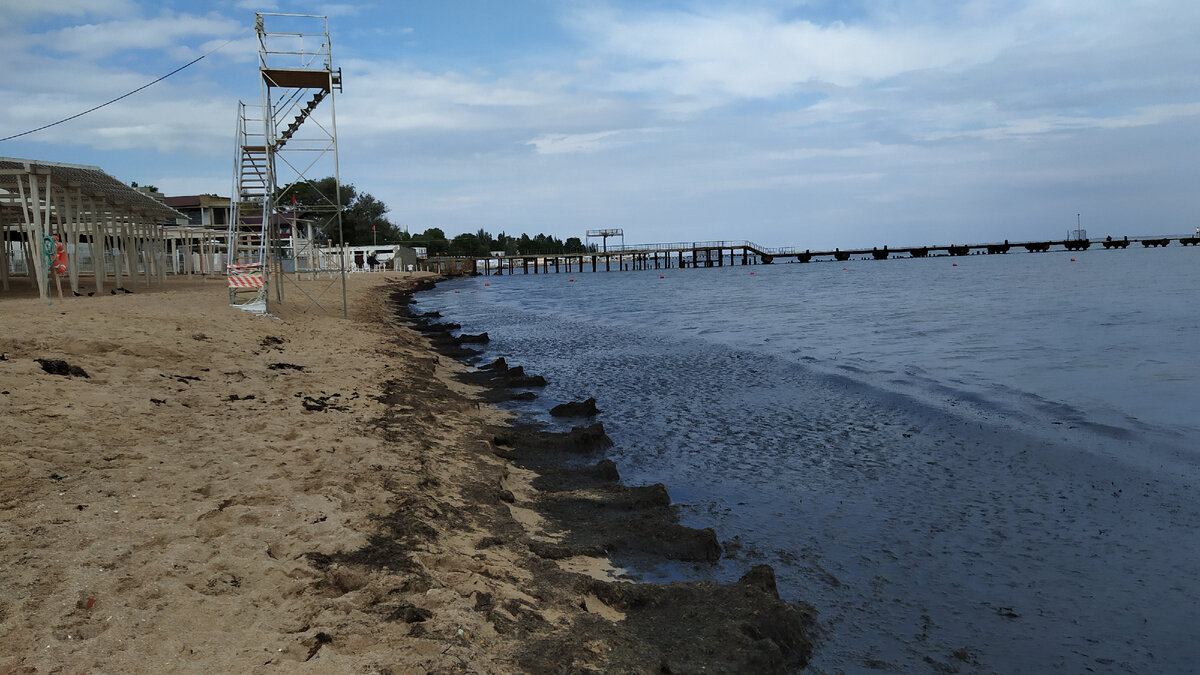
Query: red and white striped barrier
{"type": "Point", "coordinates": [242, 268]}
{"type": "Point", "coordinates": [246, 281]}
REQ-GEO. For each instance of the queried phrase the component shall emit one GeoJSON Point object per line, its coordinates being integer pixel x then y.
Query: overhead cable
{"type": "Point", "coordinates": [125, 95]}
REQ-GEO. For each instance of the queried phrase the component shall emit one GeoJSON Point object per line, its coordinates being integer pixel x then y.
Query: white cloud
{"type": "Point", "coordinates": [190, 183]}
{"type": "Point", "coordinates": [25, 8]}
{"type": "Point", "coordinates": [872, 150]}
{"type": "Point", "coordinates": [713, 57]}
{"type": "Point", "coordinates": [909, 114]}
{"type": "Point", "coordinates": [816, 177]}
{"type": "Point", "coordinates": [1031, 126]}
{"type": "Point", "coordinates": [335, 10]}
{"type": "Point", "coordinates": [558, 144]}
{"type": "Point", "coordinates": [162, 32]}
{"type": "Point", "coordinates": [166, 126]}
{"type": "Point", "coordinates": [389, 97]}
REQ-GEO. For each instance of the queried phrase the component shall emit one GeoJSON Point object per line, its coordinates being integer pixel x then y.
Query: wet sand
{"type": "Point", "coordinates": [187, 487]}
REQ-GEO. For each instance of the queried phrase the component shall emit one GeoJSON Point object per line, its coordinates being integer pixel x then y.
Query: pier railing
{"type": "Point", "coordinates": [727, 247]}
{"type": "Point", "coordinates": [702, 245]}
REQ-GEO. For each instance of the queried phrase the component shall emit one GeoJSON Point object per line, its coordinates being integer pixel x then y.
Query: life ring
{"type": "Point", "coordinates": [59, 262]}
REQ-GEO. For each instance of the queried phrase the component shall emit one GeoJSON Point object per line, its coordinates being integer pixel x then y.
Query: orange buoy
{"type": "Point", "coordinates": [59, 264]}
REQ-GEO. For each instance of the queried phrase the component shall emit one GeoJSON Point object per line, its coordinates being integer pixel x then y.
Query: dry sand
{"type": "Point", "coordinates": [192, 505]}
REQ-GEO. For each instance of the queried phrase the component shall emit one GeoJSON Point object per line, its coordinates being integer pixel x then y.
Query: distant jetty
{"type": "Point", "coordinates": [682, 255]}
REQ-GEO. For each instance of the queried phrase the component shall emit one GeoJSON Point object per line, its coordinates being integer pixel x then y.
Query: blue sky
{"type": "Point", "coordinates": [812, 124]}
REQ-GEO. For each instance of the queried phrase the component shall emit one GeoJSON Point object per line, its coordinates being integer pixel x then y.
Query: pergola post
{"type": "Point", "coordinates": [3, 253]}
{"type": "Point", "coordinates": [31, 203]}
{"type": "Point", "coordinates": [97, 245]}
{"type": "Point", "coordinates": [129, 246]}
{"type": "Point", "coordinates": [114, 228]}
{"type": "Point", "coordinates": [71, 205]}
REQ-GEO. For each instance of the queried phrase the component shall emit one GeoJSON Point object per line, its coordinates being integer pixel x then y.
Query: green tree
{"type": "Point", "coordinates": [484, 238]}
{"type": "Point", "coordinates": [433, 239]}
{"type": "Point", "coordinates": [315, 201]}
{"type": "Point", "coordinates": [468, 244]}
{"type": "Point", "coordinates": [364, 222]}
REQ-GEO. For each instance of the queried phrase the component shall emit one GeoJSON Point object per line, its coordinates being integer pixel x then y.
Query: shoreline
{"type": "Point", "coordinates": [225, 491]}
{"type": "Point", "coordinates": [740, 626]}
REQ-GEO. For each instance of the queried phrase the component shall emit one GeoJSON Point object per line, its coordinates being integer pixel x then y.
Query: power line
{"type": "Point", "coordinates": [125, 95]}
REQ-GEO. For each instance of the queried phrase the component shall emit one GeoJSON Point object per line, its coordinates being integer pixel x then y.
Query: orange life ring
{"type": "Point", "coordinates": [59, 264]}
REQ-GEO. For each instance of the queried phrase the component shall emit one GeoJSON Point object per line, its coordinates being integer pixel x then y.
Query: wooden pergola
{"type": "Point", "coordinates": [106, 226]}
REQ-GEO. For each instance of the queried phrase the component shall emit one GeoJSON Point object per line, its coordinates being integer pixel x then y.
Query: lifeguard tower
{"type": "Point", "coordinates": [287, 140]}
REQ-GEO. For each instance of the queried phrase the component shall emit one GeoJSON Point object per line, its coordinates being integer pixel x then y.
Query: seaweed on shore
{"type": "Point", "coordinates": [600, 517]}
{"type": "Point", "coordinates": [693, 626]}
{"type": "Point", "coordinates": [683, 627]}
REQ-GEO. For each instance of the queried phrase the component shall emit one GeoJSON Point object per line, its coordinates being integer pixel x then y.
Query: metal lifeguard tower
{"type": "Point", "coordinates": [288, 140]}
{"type": "Point", "coordinates": [604, 234]}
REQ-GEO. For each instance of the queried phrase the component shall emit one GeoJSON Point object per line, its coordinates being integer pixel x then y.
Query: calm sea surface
{"type": "Point", "coordinates": [995, 455]}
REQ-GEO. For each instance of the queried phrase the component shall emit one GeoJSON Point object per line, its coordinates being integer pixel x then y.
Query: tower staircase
{"type": "Point", "coordinates": [247, 237]}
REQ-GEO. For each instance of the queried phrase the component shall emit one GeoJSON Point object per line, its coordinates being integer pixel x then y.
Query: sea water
{"type": "Point", "coordinates": [988, 463]}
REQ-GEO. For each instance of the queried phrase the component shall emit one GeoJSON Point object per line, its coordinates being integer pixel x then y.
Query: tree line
{"type": "Point", "coordinates": [365, 223]}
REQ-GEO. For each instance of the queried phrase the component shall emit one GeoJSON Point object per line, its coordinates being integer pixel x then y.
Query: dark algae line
{"type": "Point", "coordinates": [679, 627]}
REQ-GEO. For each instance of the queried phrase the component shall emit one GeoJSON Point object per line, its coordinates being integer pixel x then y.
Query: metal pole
{"type": "Point", "coordinates": [337, 177]}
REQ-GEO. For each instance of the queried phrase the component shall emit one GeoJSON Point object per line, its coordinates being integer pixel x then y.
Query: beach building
{"type": "Point", "coordinates": [358, 258]}
{"type": "Point", "coordinates": [196, 243]}
{"type": "Point", "coordinates": [202, 210]}
{"type": "Point", "coordinates": [293, 240]}
{"type": "Point", "coordinates": [69, 220]}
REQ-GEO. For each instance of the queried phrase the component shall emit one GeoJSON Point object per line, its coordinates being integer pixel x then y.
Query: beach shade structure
{"type": "Point", "coordinates": [106, 227]}
{"type": "Point", "coordinates": [286, 146]}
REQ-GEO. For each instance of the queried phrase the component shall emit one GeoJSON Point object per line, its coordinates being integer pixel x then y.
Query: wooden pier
{"type": "Point", "coordinates": [682, 255]}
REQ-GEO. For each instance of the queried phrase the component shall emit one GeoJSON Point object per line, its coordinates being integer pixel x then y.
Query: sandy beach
{"type": "Point", "coordinates": [189, 487]}
{"type": "Point", "coordinates": [163, 512]}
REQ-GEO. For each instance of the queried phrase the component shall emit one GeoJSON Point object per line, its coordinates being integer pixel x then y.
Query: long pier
{"type": "Point", "coordinates": [683, 255]}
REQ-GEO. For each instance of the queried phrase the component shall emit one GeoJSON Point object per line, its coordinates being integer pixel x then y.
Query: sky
{"type": "Point", "coordinates": [811, 124]}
